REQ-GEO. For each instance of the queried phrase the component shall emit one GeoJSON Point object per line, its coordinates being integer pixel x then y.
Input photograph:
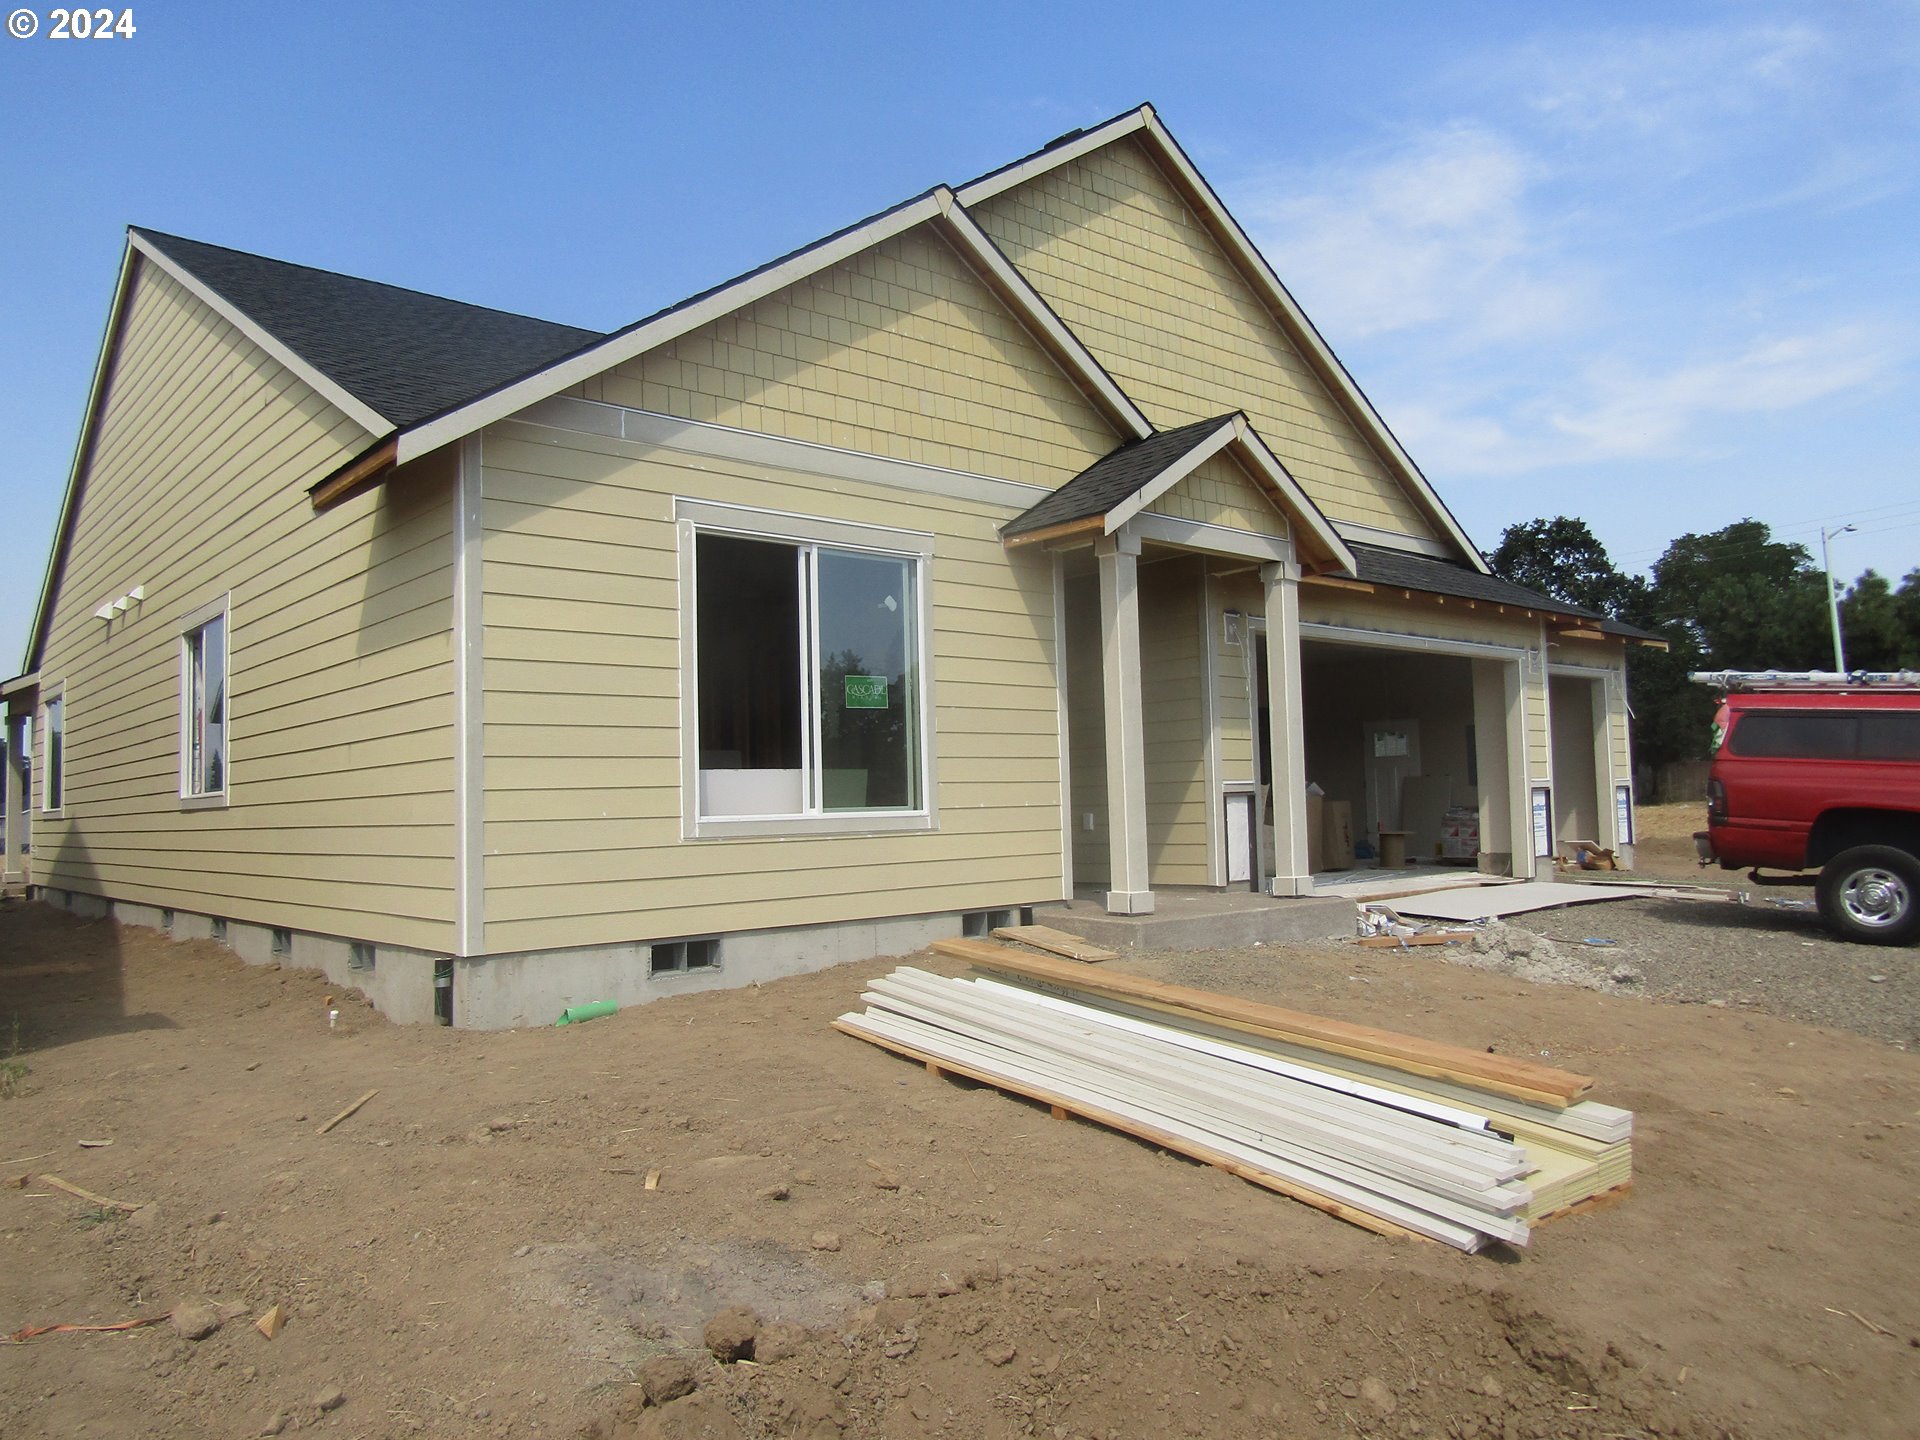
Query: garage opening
{"type": "Point", "coordinates": [1410, 752]}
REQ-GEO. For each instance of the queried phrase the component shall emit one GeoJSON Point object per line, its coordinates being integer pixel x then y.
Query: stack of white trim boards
{"type": "Point", "coordinates": [1401, 1135]}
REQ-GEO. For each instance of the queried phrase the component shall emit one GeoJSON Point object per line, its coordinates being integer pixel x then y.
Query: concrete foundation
{"type": "Point", "coordinates": [534, 987]}
{"type": "Point", "coordinates": [497, 992]}
{"type": "Point", "coordinates": [1202, 920]}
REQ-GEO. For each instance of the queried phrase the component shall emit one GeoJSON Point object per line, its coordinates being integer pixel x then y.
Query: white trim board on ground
{"type": "Point", "coordinates": [1491, 902]}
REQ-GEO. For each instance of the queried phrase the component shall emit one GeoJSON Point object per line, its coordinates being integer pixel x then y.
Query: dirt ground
{"type": "Point", "coordinates": [476, 1251]}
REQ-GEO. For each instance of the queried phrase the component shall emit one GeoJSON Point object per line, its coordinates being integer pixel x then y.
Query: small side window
{"type": "Point", "coordinates": [53, 749]}
{"type": "Point", "coordinates": [203, 703]}
{"type": "Point", "coordinates": [1890, 735]}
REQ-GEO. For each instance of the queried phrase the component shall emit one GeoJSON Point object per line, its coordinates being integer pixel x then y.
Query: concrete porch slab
{"type": "Point", "coordinates": [1201, 920]}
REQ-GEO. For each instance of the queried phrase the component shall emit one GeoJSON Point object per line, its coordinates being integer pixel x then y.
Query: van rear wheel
{"type": "Point", "coordinates": [1871, 893]}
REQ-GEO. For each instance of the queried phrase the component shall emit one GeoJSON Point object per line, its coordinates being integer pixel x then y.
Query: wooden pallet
{"type": "Point", "coordinates": [1057, 942]}
{"type": "Point", "coordinates": [1605, 1200]}
{"type": "Point", "coordinates": [1062, 1107]}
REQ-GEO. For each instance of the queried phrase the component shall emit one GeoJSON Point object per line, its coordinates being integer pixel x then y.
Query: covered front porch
{"type": "Point", "coordinates": [1178, 568]}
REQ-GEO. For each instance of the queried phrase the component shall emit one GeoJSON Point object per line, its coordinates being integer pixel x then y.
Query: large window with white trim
{"type": "Point", "coordinates": [807, 691]}
{"type": "Point", "coordinates": [203, 704]}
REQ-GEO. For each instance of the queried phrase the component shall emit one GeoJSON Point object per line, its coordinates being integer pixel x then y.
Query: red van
{"type": "Point", "coordinates": [1818, 775]}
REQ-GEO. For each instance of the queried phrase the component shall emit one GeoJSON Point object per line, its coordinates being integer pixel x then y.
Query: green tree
{"type": "Point", "coordinates": [1879, 635]}
{"type": "Point", "coordinates": [1750, 601]}
{"type": "Point", "coordinates": [1561, 557]}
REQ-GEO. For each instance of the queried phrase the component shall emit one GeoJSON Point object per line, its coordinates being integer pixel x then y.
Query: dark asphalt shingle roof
{"type": "Point", "coordinates": [1114, 478]}
{"type": "Point", "coordinates": [405, 354]}
{"type": "Point", "coordinates": [1379, 566]}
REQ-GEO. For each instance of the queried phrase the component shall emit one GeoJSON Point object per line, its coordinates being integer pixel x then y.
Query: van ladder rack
{"type": "Point", "coordinates": [1748, 681]}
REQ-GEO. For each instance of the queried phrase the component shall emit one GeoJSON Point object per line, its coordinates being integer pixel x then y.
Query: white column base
{"type": "Point", "coordinates": [1129, 902]}
{"type": "Point", "coordinates": [1290, 886]}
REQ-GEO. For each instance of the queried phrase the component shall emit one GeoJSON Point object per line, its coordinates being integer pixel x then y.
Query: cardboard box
{"type": "Point", "coordinates": [1316, 834]}
{"type": "Point", "coordinates": [1337, 834]}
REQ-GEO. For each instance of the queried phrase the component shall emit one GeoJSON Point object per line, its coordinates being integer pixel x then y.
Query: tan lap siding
{"type": "Point", "coordinates": [583, 803]}
{"type": "Point", "coordinates": [899, 351]}
{"type": "Point", "coordinates": [1130, 268]}
{"type": "Point", "coordinates": [340, 812]}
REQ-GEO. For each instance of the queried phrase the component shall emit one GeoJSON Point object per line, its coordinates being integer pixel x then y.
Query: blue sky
{"type": "Point", "coordinates": [1653, 265]}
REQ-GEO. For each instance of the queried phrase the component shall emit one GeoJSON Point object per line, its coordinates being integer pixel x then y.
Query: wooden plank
{"type": "Point", "coordinates": [129, 1206]}
{"type": "Point", "coordinates": [1058, 942]}
{"type": "Point", "coordinates": [1402, 942]}
{"type": "Point", "coordinates": [354, 477]}
{"type": "Point", "coordinates": [1541, 1084]}
{"type": "Point", "coordinates": [1166, 1140]}
{"type": "Point", "coordinates": [346, 1112]}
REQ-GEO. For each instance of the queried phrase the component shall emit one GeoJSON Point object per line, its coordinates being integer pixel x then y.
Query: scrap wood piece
{"type": "Point", "coordinates": [346, 1112]}
{"type": "Point", "coordinates": [977, 951]}
{"type": "Point", "coordinates": [1505, 1075]}
{"type": "Point", "coordinates": [652, 1182]}
{"type": "Point", "coordinates": [28, 1332]}
{"type": "Point", "coordinates": [1401, 942]}
{"type": "Point", "coordinates": [1165, 1140]}
{"type": "Point", "coordinates": [129, 1206]}
{"type": "Point", "coordinates": [273, 1322]}
{"type": "Point", "coordinates": [1058, 942]}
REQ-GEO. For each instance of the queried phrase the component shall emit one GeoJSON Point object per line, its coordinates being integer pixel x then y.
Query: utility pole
{"type": "Point", "coordinates": [1833, 597]}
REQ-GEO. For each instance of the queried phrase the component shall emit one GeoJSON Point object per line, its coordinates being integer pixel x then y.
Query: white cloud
{"type": "Point", "coordinates": [1435, 233]}
{"type": "Point", "coordinates": [1615, 411]}
{"type": "Point", "coordinates": [1628, 413]}
{"type": "Point", "coordinates": [1665, 84]}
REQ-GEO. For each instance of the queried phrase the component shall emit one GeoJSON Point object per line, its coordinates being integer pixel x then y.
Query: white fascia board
{"type": "Point", "coordinates": [1039, 318]}
{"type": "Point", "coordinates": [358, 411]}
{"type": "Point", "coordinates": [83, 446]}
{"type": "Point", "coordinates": [1210, 539]}
{"type": "Point", "coordinates": [1399, 640]}
{"type": "Point", "coordinates": [987, 186]}
{"type": "Point", "coordinates": [1120, 514]}
{"type": "Point", "coordinates": [1268, 283]}
{"type": "Point", "coordinates": [617, 349]}
{"type": "Point", "coordinates": [1305, 511]}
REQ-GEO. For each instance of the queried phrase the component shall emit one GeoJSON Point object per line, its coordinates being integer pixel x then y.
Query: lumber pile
{"type": "Point", "coordinates": [1397, 1134]}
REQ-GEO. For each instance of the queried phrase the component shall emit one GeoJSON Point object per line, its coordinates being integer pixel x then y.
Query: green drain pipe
{"type": "Point", "coordinates": [574, 1014]}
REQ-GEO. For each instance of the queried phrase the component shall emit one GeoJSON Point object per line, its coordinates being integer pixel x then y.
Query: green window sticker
{"type": "Point", "coordinates": [866, 692]}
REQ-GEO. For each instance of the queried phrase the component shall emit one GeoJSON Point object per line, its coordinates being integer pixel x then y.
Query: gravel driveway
{"type": "Point", "coordinates": [1761, 956]}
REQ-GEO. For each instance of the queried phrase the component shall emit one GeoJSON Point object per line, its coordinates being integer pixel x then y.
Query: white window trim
{"type": "Point", "coordinates": [695, 517]}
{"type": "Point", "coordinates": [56, 690]}
{"type": "Point", "coordinates": [221, 610]}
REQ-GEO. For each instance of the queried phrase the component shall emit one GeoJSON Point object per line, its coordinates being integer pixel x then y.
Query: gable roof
{"type": "Point", "coordinates": [1103, 485]}
{"type": "Point", "coordinates": [403, 355]}
{"type": "Point", "coordinates": [936, 205]}
{"type": "Point", "coordinates": [1192, 186]}
{"type": "Point", "coordinates": [1115, 488]}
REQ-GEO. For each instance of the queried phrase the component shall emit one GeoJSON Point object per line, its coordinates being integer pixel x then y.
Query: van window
{"type": "Point", "coordinates": [1890, 735]}
{"type": "Point", "coordinates": [1815, 735]}
{"type": "Point", "coordinates": [1828, 735]}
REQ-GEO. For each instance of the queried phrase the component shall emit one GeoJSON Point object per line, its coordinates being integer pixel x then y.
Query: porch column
{"type": "Point", "coordinates": [14, 868]}
{"type": "Point", "coordinates": [1130, 892]}
{"type": "Point", "coordinates": [1287, 760]}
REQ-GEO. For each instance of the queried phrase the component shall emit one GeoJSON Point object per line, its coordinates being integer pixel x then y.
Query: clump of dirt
{"type": "Point", "coordinates": [1104, 1347]}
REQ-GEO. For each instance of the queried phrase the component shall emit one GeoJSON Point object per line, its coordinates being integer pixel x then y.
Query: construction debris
{"type": "Point", "coordinates": [1055, 942]}
{"type": "Point", "coordinates": [1396, 1134]}
{"type": "Point", "coordinates": [346, 1112]}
